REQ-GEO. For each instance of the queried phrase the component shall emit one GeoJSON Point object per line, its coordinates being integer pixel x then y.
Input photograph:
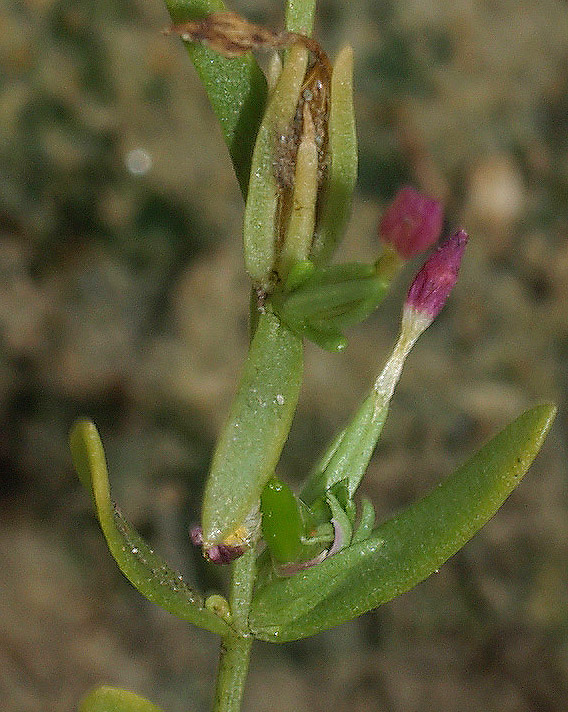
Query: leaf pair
{"type": "Point", "coordinates": [375, 568]}
{"type": "Point", "coordinates": [294, 151]}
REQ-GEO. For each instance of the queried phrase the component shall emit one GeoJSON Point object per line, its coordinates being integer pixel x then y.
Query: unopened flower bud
{"type": "Point", "coordinates": [219, 553]}
{"type": "Point", "coordinates": [412, 223]}
{"type": "Point", "coordinates": [352, 451]}
{"type": "Point", "coordinates": [224, 554]}
{"type": "Point", "coordinates": [434, 282]}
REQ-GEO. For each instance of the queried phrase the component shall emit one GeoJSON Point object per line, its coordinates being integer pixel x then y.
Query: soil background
{"type": "Point", "coordinates": [122, 297]}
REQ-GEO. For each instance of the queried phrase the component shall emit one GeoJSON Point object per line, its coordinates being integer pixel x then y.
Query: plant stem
{"type": "Point", "coordinates": [233, 668]}
{"type": "Point", "coordinates": [242, 584]}
{"type": "Point", "coordinates": [236, 647]}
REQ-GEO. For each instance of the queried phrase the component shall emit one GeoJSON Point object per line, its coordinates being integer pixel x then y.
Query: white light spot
{"type": "Point", "coordinates": [280, 399]}
{"type": "Point", "coordinates": [134, 550]}
{"type": "Point", "coordinates": [138, 161]}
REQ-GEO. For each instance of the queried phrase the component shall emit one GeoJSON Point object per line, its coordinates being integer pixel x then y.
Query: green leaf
{"type": "Point", "coordinates": [138, 562]}
{"type": "Point", "coordinates": [342, 304]}
{"type": "Point", "coordinates": [366, 521]}
{"type": "Point", "coordinates": [340, 519]}
{"type": "Point", "coordinates": [322, 301]}
{"type": "Point", "coordinates": [406, 549]}
{"type": "Point", "coordinates": [113, 699]}
{"type": "Point", "coordinates": [350, 452]}
{"type": "Point", "coordinates": [251, 440]}
{"type": "Point", "coordinates": [326, 337]}
{"type": "Point", "coordinates": [236, 87]}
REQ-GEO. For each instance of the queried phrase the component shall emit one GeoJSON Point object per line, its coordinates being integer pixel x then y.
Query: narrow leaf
{"type": "Point", "coordinates": [251, 440]}
{"type": "Point", "coordinates": [406, 549]}
{"type": "Point", "coordinates": [350, 452]}
{"type": "Point", "coordinates": [138, 562]}
{"type": "Point", "coordinates": [366, 521]}
{"type": "Point", "coordinates": [236, 87]}
{"type": "Point", "coordinates": [113, 699]}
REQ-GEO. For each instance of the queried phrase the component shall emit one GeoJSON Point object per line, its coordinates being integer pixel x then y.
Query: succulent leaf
{"type": "Point", "coordinates": [113, 699]}
{"type": "Point", "coordinates": [145, 570]}
{"type": "Point", "coordinates": [251, 440]}
{"type": "Point", "coordinates": [406, 549]}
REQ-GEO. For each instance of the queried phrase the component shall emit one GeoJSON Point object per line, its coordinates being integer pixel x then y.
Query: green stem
{"type": "Point", "coordinates": [242, 584]}
{"type": "Point", "coordinates": [300, 16]}
{"type": "Point", "coordinates": [236, 647]}
{"type": "Point", "coordinates": [233, 668]}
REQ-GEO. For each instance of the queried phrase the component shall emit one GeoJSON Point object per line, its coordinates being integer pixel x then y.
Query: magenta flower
{"type": "Point", "coordinates": [412, 223]}
{"type": "Point", "coordinates": [434, 282]}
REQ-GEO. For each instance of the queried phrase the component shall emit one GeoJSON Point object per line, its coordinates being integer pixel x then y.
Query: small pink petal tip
{"type": "Point", "coordinates": [224, 554]}
{"type": "Point", "coordinates": [412, 223]}
{"type": "Point", "coordinates": [218, 554]}
{"type": "Point", "coordinates": [434, 282]}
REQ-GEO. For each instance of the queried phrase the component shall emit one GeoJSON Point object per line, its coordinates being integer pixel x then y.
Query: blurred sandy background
{"type": "Point", "coordinates": [122, 297]}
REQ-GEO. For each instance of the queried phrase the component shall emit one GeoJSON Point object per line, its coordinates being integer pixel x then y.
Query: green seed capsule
{"type": "Point", "coordinates": [342, 159]}
{"type": "Point", "coordinates": [282, 525]}
{"type": "Point", "coordinates": [299, 232]}
{"type": "Point", "coordinates": [260, 230]}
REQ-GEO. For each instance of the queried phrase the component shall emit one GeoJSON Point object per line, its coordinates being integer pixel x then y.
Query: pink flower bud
{"type": "Point", "coordinates": [224, 554]}
{"type": "Point", "coordinates": [412, 223]}
{"type": "Point", "coordinates": [434, 282]}
{"type": "Point", "coordinates": [218, 554]}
